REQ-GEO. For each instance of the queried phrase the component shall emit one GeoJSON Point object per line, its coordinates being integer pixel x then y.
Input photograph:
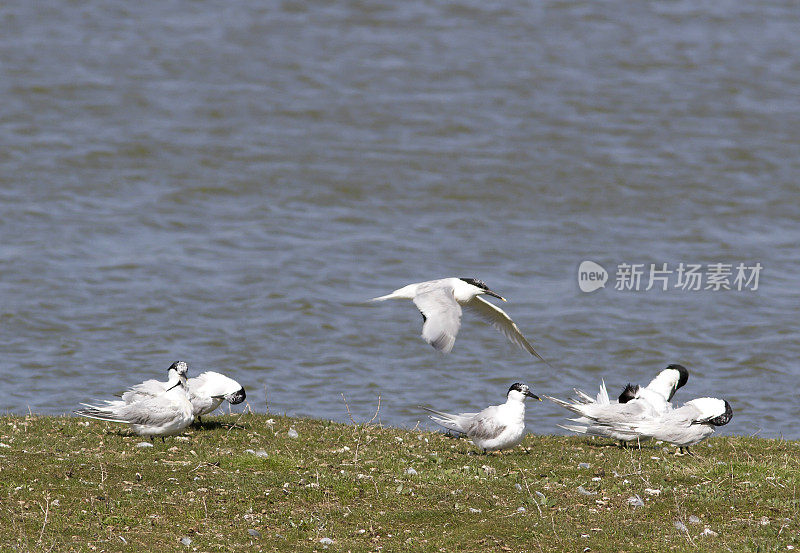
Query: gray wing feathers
{"type": "Point", "coordinates": [148, 412]}
{"type": "Point", "coordinates": [612, 413]}
{"type": "Point", "coordinates": [578, 409]}
{"type": "Point", "coordinates": [475, 425]}
{"type": "Point", "coordinates": [678, 427]}
{"type": "Point", "coordinates": [574, 428]}
{"type": "Point", "coordinates": [502, 322]}
{"type": "Point", "coordinates": [449, 421]}
{"type": "Point", "coordinates": [484, 427]}
{"type": "Point", "coordinates": [98, 413]}
{"type": "Point", "coordinates": [583, 397]}
{"type": "Point", "coordinates": [442, 317]}
{"type": "Point", "coordinates": [148, 388]}
{"type": "Point", "coordinates": [151, 413]}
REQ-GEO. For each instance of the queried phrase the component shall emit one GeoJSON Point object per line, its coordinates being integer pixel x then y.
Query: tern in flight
{"type": "Point", "coordinates": [440, 303]}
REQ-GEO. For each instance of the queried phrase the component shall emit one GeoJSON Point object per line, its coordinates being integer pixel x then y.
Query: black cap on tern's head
{"type": "Point", "coordinates": [724, 418]}
{"type": "Point", "coordinates": [628, 393]}
{"type": "Point", "coordinates": [181, 367]}
{"type": "Point", "coordinates": [523, 389]}
{"type": "Point", "coordinates": [478, 283]}
{"type": "Point", "coordinates": [684, 374]}
{"type": "Point", "coordinates": [711, 410]}
{"type": "Point", "coordinates": [236, 397]}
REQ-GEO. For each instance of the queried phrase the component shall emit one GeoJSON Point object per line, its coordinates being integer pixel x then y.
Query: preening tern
{"type": "Point", "coordinates": [162, 415]}
{"type": "Point", "coordinates": [496, 427]}
{"type": "Point", "coordinates": [209, 389]}
{"type": "Point", "coordinates": [206, 391]}
{"type": "Point", "coordinates": [151, 387]}
{"type": "Point", "coordinates": [687, 425]}
{"type": "Point", "coordinates": [440, 303]}
{"type": "Point", "coordinates": [599, 415]}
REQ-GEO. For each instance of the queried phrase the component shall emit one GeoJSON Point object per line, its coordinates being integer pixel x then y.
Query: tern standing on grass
{"type": "Point", "coordinates": [635, 403]}
{"type": "Point", "coordinates": [496, 427]}
{"type": "Point", "coordinates": [440, 303]}
{"type": "Point", "coordinates": [206, 391]}
{"type": "Point", "coordinates": [691, 423]}
{"type": "Point", "coordinates": [162, 415]}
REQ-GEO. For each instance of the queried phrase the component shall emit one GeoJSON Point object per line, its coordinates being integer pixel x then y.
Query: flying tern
{"type": "Point", "coordinates": [162, 415]}
{"type": "Point", "coordinates": [440, 303]}
{"type": "Point", "coordinates": [496, 427]}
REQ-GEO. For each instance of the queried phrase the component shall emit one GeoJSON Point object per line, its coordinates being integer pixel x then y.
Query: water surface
{"type": "Point", "coordinates": [227, 182]}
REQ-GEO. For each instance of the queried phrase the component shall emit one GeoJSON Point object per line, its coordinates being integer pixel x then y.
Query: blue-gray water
{"type": "Point", "coordinates": [225, 182]}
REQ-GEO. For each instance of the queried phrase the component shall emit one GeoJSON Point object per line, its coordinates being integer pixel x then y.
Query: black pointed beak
{"type": "Point", "coordinates": [178, 383]}
{"type": "Point", "coordinates": [494, 294]}
{"type": "Point", "coordinates": [531, 394]}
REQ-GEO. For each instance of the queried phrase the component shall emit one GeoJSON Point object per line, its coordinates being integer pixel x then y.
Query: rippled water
{"type": "Point", "coordinates": [226, 182]}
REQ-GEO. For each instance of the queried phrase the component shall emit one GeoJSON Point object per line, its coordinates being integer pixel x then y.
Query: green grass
{"type": "Point", "coordinates": [71, 485]}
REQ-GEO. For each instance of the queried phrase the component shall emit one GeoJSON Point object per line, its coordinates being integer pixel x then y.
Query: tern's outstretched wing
{"type": "Point", "coordinates": [502, 322]}
{"type": "Point", "coordinates": [442, 316]}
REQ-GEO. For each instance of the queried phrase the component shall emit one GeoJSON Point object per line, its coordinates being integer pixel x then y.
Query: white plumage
{"type": "Point", "coordinates": [496, 427]}
{"type": "Point", "coordinates": [164, 414]}
{"type": "Point", "coordinates": [209, 389]}
{"type": "Point", "coordinates": [206, 391]}
{"type": "Point", "coordinates": [687, 425]}
{"type": "Point", "coordinates": [599, 416]}
{"type": "Point", "coordinates": [440, 303]}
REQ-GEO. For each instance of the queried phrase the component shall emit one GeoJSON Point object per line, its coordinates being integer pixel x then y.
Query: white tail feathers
{"type": "Point", "coordinates": [575, 408]}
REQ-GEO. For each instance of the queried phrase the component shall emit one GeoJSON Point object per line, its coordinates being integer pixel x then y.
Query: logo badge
{"type": "Point", "coordinates": [591, 276]}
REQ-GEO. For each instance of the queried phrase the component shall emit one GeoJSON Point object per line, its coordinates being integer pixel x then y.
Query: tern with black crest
{"type": "Point", "coordinates": [440, 301]}
{"type": "Point", "coordinates": [165, 414]}
{"type": "Point", "coordinates": [496, 427]}
{"type": "Point", "coordinates": [636, 403]}
{"type": "Point", "coordinates": [206, 391]}
{"type": "Point", "coordinates": [687, 425]}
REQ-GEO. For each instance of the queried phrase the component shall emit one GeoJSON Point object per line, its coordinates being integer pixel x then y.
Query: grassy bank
{"type": "Point", "coordinates": [247, 482]}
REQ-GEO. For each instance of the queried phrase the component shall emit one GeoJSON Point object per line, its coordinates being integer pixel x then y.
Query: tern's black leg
{"type": "Point", "coordinates": [163, 441]}
{"type": "Point", "coordinates": [689, 452]}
